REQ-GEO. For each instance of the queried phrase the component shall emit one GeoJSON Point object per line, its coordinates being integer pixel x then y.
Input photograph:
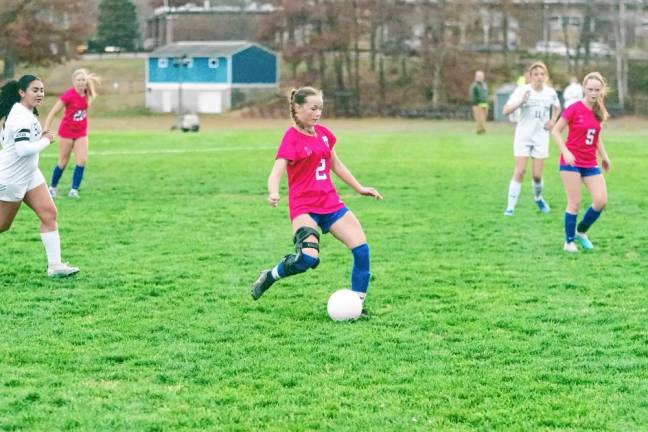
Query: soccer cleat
{"type": "Point", "coordinates": [52, 191]}
{"type": "Point", "coordinates": [74, 193]}
{"type": "Point", "coordinates": [508, 212]}
{"type": "Point", "coordinates": [582, 240]}
{"type": "Point", "coordinates": [542, 205]}
{"type": "Point", "coordinates": [570, 247]}
{"type": "Point", "coordinates": [364, 313]}
{"type": "Point", "coordinates": [61, 270]}
{"type": "Point", "coordinates": [261, 285]}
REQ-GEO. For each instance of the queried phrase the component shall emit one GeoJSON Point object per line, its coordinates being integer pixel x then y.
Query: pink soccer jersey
{"type": "Point", "coordinates": [583, 136]}
{"type": "Point", "coordinates": [310, 189]}
{"type": "Point", "coordinates": [75, 122]}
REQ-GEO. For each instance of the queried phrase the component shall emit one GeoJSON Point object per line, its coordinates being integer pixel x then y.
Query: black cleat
{"type": "Point", "coordinates": [364, 313]}
{"type": "Point", "coordinates": [261, 285]}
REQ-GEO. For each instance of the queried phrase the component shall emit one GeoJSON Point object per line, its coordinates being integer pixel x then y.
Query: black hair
{"type": "Point", "coordinates": [9, 93]}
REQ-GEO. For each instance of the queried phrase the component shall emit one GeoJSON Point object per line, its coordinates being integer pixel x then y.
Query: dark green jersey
{"type": "Point", "coordinates": [478, 93]}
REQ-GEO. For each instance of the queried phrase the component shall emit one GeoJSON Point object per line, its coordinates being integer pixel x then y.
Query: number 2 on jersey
{"type": "Point", "coordinates": [589, 138]}
{"type": "Point", "coordinates": [319, 172]}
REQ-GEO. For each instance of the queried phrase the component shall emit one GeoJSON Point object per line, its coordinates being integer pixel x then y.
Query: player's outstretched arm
{"type": "Point", "coordinates": [278, 169]}
{"type": "Point", "coordinates": [58, 106]}
{"type": "Point", "coordinates": [343, 172]}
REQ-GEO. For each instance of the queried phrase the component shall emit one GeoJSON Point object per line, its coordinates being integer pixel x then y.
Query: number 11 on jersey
{"type": "Point", "coordinates": [319, 172]}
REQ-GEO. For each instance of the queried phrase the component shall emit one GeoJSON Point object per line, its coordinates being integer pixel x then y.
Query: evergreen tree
{"type": "Point", "coordinates": [117, 24]}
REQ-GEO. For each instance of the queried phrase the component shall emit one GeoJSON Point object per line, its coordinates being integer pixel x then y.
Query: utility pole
{"type": "Point", "coordinates": [180, 63]}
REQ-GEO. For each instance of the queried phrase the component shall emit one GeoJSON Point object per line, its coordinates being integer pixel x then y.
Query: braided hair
{"type": "Point", "coordinates": [298, 97]}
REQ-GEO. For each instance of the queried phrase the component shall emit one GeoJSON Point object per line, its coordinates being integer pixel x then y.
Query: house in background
{"type": "Point", "coordinates": [207, 21]}
{"type": "Point", "coordinates": [209, 77]}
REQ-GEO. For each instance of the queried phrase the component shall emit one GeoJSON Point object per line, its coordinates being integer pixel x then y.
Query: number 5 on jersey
{"type": "Point", "coordinates": [319, 172]}
{"type": "Point", "coordinates": [589, 139]}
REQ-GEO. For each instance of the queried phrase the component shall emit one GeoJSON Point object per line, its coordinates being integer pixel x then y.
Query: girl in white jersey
{"type": "Point", "coordinates": [537, 107]}
{"type": "Point", "coordinates": [22, 139]}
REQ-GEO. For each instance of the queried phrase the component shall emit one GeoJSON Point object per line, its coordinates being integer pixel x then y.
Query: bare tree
{"type": "Point", "coordinates": [621, 58]}
{"type": "Point", "coordinates": [42, 31]}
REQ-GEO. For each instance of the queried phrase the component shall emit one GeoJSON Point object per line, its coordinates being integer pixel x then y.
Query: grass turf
{"type": "Point", "coordinates": [479, 322]}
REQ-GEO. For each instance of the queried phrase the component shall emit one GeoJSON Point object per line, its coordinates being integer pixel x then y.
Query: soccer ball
{"type": "Point", "coordinates": [344, 305]}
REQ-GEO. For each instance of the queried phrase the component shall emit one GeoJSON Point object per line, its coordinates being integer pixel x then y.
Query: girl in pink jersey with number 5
{"type": "Point", "coordinates": [578, 161]}
{"type": "Point", "coordinates": [306, 153]}
{"type": "Point", "coordinates": [73, 130]}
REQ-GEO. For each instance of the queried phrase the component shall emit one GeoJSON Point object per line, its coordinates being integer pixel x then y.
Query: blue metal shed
{"type": "Point", "coordinates": [201, 76]}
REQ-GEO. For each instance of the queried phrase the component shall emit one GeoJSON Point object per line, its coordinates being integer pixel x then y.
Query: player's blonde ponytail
{"type": "Point", "coordinates": [600, 112]}
{"type": "Point", "coordinates": [92, 82]}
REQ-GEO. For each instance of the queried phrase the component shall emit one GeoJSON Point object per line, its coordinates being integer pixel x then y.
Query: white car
{"type": "Point", "coordinates": [598, 49]}
{"type": "Point", "coordinates": [552, 47]}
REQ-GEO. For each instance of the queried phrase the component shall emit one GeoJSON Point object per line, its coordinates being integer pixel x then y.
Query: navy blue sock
{"type": "Point", "coordinates": [77, 176]}
{"type": "Point", "coordinates": [304, 262]}
{"type": "Point", "coordinates": [570, 227]}
{"type": "Point", "coordinates": [56, 175]}
{"type": "Point", "coordinates": [590, 217]}
{"type": "Point", "coordinates": [360, 274]}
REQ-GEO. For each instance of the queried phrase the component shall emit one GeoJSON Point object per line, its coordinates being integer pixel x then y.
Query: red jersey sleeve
{"type": "Point", "coordinates": [568, 114]}
{"type": "Point", "coordinates": [65, 97]}
{"type": "Point", "coordinates": [287, 149]}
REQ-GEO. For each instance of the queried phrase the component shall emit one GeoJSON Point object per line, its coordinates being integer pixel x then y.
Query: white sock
{"type": "Point", "coordinates": [537, 189]}
{"type": "Point", "coordinates": [513, 194]}
{"type": "Point", "coordinates": [275, 272]}
{"type": "Point", "coordinates": [52, 243]}
{"type": "Point", "coordinates": [362, 295]}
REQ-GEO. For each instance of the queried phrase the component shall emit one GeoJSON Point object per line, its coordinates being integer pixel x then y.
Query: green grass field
{"type": "Point", "coordinates": [478, 322]}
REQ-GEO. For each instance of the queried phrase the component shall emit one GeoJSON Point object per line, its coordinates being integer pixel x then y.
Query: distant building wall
{"type": "Point", "coordinates": [202, 70]}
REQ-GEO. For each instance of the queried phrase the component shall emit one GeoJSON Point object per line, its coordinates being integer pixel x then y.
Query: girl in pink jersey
{"type": "Point", "coordinates": [306, 154]}
{"type": "Point", "coordinates": [578, 160]}
{"type": "Point", "coordinates": [73, 130]}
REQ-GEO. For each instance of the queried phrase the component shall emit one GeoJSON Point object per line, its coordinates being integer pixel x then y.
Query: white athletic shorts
{"type": "Point", "coordinates": [16, 192]}
{"type": "Point", "coordinates": [529, 148]}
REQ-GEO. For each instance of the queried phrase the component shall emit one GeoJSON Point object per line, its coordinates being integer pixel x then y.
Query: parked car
{"type": "Point", "coordinates": [598, 49]}
{"type": "Point", "coordinates": [112, 49]}
{"type": "Point", "coordinates": [552, 47]}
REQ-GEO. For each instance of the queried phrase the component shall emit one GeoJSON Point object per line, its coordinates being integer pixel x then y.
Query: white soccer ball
{"type": "Point", "coordinates": [344, 305]}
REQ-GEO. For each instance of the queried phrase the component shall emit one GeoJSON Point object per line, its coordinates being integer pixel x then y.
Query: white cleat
{"type": "Point", "coordinates": [61, 270]}
{"type": "Point", "coordinates": [508, 212]}
{"type": "Point", "coordinates": [52, 192]}
{"type": "Point", "coordinates": [74, 193]}
{"type": "Point", "coordinates": [570, 247]}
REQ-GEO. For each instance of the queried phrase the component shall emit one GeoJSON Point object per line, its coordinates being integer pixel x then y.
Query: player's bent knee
{"type": "Point", "coordinates": [48, 215]}
{"type": "Point", "coordinates": [295, 264]}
